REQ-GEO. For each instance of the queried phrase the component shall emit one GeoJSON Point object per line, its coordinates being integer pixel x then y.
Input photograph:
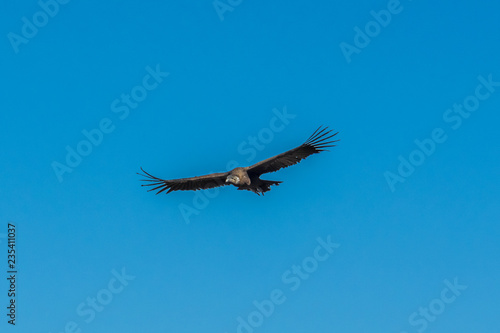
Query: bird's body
{"type": "Point", "coordinates": [246, 178]}
{"type": "Point", "coordinates": [240, 178]}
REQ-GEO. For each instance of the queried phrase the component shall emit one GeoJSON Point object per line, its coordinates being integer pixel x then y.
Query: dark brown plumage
{"type": "Point", "coordinates": [247, 178]}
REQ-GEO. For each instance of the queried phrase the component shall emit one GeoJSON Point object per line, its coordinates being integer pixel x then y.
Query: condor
{"type": "Point", "coordinates": [246, 178]}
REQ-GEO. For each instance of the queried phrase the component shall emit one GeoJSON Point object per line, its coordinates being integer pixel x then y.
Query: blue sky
{"type": "Point", "coordinates": [394, 230]}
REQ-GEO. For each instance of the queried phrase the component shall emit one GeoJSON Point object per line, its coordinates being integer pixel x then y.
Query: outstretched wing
{"type": "Point", "coordinates": [316, 143]}
{"type": "Point", "coordinates": [184, 184]}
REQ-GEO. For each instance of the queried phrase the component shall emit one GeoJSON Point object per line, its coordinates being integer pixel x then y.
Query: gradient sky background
{"type": "Point", "coordinates": [226, 77]}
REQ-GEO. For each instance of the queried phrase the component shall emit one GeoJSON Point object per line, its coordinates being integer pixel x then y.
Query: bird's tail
{"type": "Point", "coordinates": [260, 186]}
{"type": "Point", "coordinates": [265, 185]}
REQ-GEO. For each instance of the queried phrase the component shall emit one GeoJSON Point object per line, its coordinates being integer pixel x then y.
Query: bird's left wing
{"type": "Point", "coordinates": [184, 184]}
{"type": "Point", "coordinates": [316, 143]}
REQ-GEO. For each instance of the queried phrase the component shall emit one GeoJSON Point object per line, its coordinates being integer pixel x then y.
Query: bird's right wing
{"type": "Point", "coordinates": [184, 184]}
{"type": "Point", "coordinates": [317, 142]}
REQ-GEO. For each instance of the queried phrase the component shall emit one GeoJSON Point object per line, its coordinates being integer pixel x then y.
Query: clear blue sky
{"type": "Point", "coordinates": [394, 230]}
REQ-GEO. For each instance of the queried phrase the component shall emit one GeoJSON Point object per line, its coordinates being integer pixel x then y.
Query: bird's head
{"type": "Point", "coordinates": [233, 179]}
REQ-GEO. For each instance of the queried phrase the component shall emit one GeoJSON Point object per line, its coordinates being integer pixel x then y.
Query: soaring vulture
{"type": "Point", "coordinates": [246, 178]}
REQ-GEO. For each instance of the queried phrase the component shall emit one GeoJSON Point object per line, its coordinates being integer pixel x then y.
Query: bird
{"type": "Point", "coordinates": [246, 178]}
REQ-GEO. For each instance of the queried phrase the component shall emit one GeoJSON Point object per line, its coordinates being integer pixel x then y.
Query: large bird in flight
{"type": "Point", "coordinates": [246, 178]}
